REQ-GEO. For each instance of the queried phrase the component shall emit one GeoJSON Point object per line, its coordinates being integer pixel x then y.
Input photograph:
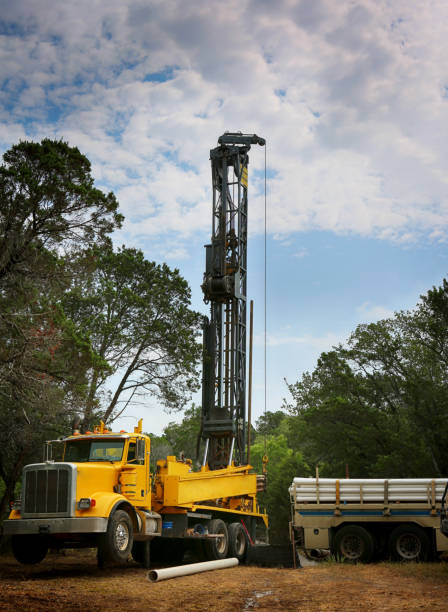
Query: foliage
{"type": "Point", "coordinates": [160, 449]}
{"type": "Point", "coordinates": [270, 422]}
{"type": "Point", "coordinates": [48, 200]}
{"type": "Point", "coordinates": [284, 464]}
{"type": "Point", "coordinates": [137, 317]}
{"type": "Point", "coordinates": [183, 437]}
{"type": "Point", "coordinates": [49, 211]}
{"type": "Point", "coordinates": [379, 404]}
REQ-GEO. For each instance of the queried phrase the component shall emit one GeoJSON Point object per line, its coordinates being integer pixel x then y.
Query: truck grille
{"type": "Point", "coordinates": [48, 489]}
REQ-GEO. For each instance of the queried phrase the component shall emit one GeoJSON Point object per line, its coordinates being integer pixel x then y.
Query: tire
{"type": "Point", "coordinates": [237, 541]}
{"type": "Point", "coordinates": [354, 543]}
{"type": "Point", "coordinates": [29, 549]}
{"type": "Point", "coordinates": [217, 548]}
{"type": "Point", "coordinates": [116, 544]}
{"type": "Point", "coordinates": [409, 543]}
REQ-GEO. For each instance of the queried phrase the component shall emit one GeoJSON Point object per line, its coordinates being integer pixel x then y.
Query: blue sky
{"type": "Point", "coordinates": [352, 98]}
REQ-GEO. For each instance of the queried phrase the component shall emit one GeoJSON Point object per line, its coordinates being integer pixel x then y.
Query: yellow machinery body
{"type": "Point", "coordinates": [117, 475]}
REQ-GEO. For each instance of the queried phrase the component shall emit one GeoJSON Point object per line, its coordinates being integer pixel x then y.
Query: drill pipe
{"type": "Point", "coordinates": [187, 570]}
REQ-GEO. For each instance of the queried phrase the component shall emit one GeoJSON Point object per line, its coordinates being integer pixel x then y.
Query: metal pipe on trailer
{"type": "Point", "coordinates": [188, 570]}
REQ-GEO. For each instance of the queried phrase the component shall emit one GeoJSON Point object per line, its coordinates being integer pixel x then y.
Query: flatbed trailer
{"type": "Point", "coordinates": [362, 519]}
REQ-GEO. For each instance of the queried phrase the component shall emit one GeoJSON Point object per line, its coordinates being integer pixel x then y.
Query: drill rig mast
{"type": "Point", "coordinates": [224, 286]}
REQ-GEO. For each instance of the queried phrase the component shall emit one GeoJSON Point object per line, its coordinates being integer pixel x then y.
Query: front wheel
{"type": "Point", "coordinates": [354, 543]}
{"type": "Point", "coordinates": [409, 543]}
{"type": "Point", "coordinates": [116, 544]}
{"type": "Point", "coordinates": [29, 549]}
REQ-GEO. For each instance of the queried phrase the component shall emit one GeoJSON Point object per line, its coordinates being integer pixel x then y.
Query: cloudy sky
{"type": "Point", "coordinates": [352, 98]}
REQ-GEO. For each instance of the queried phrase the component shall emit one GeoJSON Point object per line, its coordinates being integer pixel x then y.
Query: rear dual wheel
{"type": "Point", "coordinates": [409, 543]}
{"type": "Point", "coordinates": [216, 548]}
{"type": "Point", "coordinates": [354, 543]}
{"type": "Point", "coordinates": [237, 541]}
{"type": "Point", "coordinates": [231, 541]}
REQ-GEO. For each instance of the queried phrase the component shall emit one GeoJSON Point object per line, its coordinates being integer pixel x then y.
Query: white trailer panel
{"type": "Point", "coordinates": [364, 490]}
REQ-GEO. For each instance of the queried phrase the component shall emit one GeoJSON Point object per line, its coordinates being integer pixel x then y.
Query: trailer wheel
{"type": "Point", "coordinates": [29, 549]}
{"type": "Point", "coordinates": [116, 544]}
{"type": "Point", "coordinates": [354, 543]}
{"type": "Point", "coordinates": [217, 548]}
{"type": "Point", "coordinates": [409, 543]}
{"type": "Point", "coordinates": [237, 541]}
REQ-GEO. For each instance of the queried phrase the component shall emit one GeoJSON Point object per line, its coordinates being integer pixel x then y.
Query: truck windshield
{"type": "Point", "coordinates": [80, 451]}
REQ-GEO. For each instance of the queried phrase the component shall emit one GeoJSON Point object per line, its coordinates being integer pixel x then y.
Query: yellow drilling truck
{"type": "Point", "coordinates": [103, 495]}
{"type": "Point", "coordinates": [102, 492]}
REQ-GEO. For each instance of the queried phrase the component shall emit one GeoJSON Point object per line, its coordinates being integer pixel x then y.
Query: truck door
{"type": "Point", "coordinates": [133, 477]}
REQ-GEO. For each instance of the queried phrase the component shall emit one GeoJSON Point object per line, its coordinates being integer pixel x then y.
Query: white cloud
{"type": "Point", "coordinates": [352, 99]}
{"type": "Point", "coordinates": [370, 313]}
{"type": "Point", "coordinates": [303, 252]}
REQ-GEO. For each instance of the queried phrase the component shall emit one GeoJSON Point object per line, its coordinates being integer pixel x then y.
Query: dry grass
{"type": "Point", "coordinates": [73, 582]}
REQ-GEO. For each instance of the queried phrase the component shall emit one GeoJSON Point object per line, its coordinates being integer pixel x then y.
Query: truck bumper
{"type": "Point", "coordinates": [55, 525]}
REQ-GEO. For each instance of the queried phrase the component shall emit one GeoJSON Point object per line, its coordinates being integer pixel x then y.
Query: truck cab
{"type": "Point", "coordinates": [72, 502]}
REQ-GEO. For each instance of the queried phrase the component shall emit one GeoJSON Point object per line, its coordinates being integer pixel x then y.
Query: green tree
{"type": "Point", "coordinates": [379, 404]}
{"type": "Point", "coordinates": [160, 449]}
{"type": "Point", "coordinates": [50, 212]}
{"type": "Point", "coordinates": [137, 316]}
{"type": "Point", "coordinates": [48, 200]}
{"type": "Point", "coordinates": [284, 464]}
{"type": "Point", "coordinates": [183, 437]}
{"type": "Point", "coordinates": [270, 422]}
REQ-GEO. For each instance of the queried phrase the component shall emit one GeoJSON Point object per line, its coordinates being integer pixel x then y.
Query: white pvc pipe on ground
{"type": "Point", "coordinates": [187, 570]}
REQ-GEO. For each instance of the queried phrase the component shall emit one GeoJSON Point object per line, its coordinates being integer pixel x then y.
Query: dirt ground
{"type": "Point", "coordinates": [73, 582]}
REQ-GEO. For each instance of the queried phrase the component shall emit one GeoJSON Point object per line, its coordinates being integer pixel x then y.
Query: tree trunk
{"type": "Point", "coordinates": [10, 479]}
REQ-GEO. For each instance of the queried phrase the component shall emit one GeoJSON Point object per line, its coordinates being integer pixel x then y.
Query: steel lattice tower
{"type": "Point", "coordinates": [225, 287]}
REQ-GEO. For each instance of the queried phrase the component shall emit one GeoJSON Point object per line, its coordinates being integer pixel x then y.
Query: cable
{"type": "Point", "coordinates": [265, 293]}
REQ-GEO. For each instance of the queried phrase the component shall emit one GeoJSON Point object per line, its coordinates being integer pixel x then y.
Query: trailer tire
{"type": "Point", "coordinates": [29, 549]}
{"type": "Point", "coordinates": [354, 543]}
{"type": "Point", "coordinates": [217, 548]}
{"type": "Point", "coordinates": [116, 544]}
{"type": "Point", "coordinates": [237, 541]}
{"type": "Point", "coordinates": [409, 543]}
